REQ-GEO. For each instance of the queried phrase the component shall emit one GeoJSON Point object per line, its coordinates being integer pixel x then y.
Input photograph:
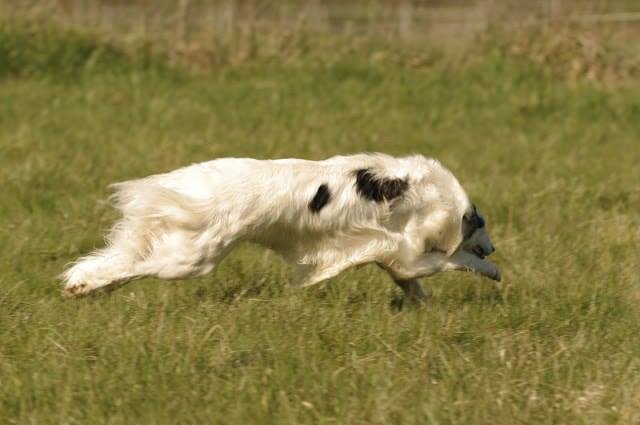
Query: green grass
{"type": "Point", "coordinates": [554, 168]}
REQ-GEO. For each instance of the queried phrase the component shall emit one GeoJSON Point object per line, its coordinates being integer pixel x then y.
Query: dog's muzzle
{"type": "Point", "coordinates": [481, 252]}
{"type": "Point", "coordinates": [479, 244]}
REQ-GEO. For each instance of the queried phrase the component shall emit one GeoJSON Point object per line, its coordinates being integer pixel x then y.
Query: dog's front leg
{"type": "Point", "coordinates": [410, 287]}
{"type": "Point", "coordinates": [465, 261]}
{"type": "Point", "coordinates": [412, 290]}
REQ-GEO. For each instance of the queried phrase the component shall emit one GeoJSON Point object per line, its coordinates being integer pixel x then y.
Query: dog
{"type": "Point", "coordinates": [409, 215]}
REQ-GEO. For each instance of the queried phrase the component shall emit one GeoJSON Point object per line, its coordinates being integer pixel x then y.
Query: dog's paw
{"type": "Point", "coordinates": [497, 276]}
{"type": "Point", "coordinates": [76, 290]}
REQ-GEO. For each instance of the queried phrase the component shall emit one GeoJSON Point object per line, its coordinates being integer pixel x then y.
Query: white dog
{"type": "Point", "coordinates": [409, 215]}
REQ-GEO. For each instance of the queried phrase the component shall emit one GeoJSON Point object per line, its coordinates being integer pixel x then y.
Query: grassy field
{"type": "Point", "coordinates": [554, 167]}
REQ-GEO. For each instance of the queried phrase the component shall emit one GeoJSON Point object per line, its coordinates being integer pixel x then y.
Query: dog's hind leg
{"type": "Point", "coordinates": [104, 269]}
{"type": "Point", "coordinates": [175, 256]}
{"type": "Point", "coordinates": [183, 254]}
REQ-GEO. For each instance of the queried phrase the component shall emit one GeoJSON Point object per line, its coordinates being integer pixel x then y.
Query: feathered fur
{"type": "Point", "coordinates": [405, 214]}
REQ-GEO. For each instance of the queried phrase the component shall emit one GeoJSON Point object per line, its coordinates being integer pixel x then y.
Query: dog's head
{"type": "Point", "coordinates": [475, 236]}
{"type": "Point", "coordinates": [429, 203]}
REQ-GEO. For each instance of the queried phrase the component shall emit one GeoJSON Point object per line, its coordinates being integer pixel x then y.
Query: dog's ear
{"type": "Point", "coordinates": [378, 188]}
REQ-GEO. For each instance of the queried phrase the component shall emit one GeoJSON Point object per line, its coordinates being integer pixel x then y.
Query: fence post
{"type": "Point", "coordinates": [405, 20]}
{"type": "Point", "coordinates": [183, 16]}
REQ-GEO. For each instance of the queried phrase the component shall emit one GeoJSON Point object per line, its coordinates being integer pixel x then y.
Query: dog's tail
{"type": "Point", "coordinates": [147, 201]}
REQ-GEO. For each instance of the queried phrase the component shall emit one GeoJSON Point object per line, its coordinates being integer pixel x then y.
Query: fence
{"type": "Point", "coordinates": [412, 21]}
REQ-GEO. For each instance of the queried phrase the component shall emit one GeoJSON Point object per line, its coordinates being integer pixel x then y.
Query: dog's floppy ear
{"type": "Point", "coordinates": [375, 187]}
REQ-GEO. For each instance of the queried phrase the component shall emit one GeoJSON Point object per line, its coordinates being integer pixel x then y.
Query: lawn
{"type": "Point", "coordinates": [553, 166]}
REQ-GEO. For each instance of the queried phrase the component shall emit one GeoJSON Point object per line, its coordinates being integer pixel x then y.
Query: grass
{"type": "Point", "coordinates": [553, 167]}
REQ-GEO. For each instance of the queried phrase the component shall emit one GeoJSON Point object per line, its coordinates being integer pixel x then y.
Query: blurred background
{"type": "Point", "coordinates": [202, 34]}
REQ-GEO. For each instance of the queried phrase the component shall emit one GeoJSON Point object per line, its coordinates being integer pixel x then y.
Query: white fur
{"type": "Point", "coordinates": [183, 223]}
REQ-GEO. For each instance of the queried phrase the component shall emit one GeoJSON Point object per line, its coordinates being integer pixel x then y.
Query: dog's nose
{"type": "Point", "coordinates": [492, 249]}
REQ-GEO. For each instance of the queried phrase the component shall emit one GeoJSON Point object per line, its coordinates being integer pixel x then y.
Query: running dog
{"type": "Point", "coordinates": [409, 215]}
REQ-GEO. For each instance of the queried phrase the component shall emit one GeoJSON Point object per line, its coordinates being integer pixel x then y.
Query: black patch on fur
{"type": "Point", "coordinates": [478, 221]}
{"type": "Point", "coordinates": [373, 188]}
{"type": "Point", "coordinates": [471, 223]}
{"type": "Point", "coordinates": [321, 198]}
